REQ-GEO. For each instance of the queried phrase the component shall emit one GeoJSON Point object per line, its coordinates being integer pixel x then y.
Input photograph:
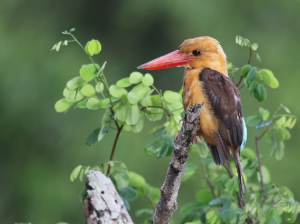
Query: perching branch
{"type": "Point", "coordinates": [169, 191]}
{"type": "Point", "coordinates": [104, 205]}
{"type": "Point", "coordinates": [212, 189]}
{"type": "Point", "coordinates": [259, 167]}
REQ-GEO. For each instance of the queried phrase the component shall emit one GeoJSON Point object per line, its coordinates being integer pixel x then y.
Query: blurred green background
{"type": "Point", "coordinates": [39, 147]}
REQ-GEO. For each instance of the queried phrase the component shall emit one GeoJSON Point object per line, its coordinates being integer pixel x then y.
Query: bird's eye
{"type": "Point", "coordinates": [196, 52]}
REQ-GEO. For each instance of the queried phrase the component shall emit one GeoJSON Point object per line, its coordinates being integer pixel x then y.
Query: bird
{"type": "Point", "coordinates": [205, 80]}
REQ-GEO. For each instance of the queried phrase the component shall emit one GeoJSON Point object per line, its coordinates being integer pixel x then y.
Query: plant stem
{"type": "Point", "coordinates": [150, 200]}
{"type": "Point", "coordinates": [250, 55]}
{"type": "Point", "coordinates": [168, 112]}
{"type": "Point", "coordinates": [276, 202]}
{"type": "Point", "coordinates": [237, 85]}
{"type": "Point", "coordinates": [114, 147]}
{"type": "Point", "coordinates": [259, 166]}
{"type": "Point", "coordinates": [210, 186]}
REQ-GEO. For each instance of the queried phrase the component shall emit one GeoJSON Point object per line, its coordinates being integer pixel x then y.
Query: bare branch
{"type": "Point", "coordinates": [169, 191]}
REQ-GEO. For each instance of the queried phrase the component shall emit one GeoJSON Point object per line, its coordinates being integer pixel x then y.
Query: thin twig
{"type": "Point", "coordinates": [237, 85]}
{"type": "Point", "coordinates": [162, 107]}
{"type": "Point", "coordinates": [150, 200]}
{"type": "Point", "coordinates": [276, 202]}
{"type": "Point", "coordinates": [210, 186]}
{"type": "Point", "coordinates": [250, 55]}
{"type": "Point", "coordinates": [242, 86]}
{"type": "Point", "coordinates": [114, 148]}
{"type": "Point", "coordinates": [259, 166]}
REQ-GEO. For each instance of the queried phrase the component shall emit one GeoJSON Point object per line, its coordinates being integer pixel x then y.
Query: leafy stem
{"type": "Point", "coordinates": [163, 108]}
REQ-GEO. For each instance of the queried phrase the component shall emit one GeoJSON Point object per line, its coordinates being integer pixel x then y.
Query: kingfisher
{"type": "Point", "coordinates": [205, 80]}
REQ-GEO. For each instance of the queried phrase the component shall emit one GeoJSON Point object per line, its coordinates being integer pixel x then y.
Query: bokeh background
{"type": "Point", "coordinates": [39, 147]}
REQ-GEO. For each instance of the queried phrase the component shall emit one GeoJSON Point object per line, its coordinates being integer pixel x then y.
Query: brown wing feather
{"type": "Point", "coordinates": [226, 104]}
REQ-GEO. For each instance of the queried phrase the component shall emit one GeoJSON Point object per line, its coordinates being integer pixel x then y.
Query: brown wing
{"type": "Point", "coordinates": [225, 101]}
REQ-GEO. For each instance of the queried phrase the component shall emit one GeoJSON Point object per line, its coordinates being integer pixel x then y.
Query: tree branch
{"type": "Point", "coordinates": [169, 191]}
{"type": "Point", "coordinates": [259, 167]}
{"type": "Point", "coordinates": [104, 205]}
{"type": "Point", "coordinates": [276, 202]}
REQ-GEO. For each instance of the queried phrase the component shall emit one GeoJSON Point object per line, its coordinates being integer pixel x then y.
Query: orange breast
{"type": "Point", "coordinates": [193, 94]}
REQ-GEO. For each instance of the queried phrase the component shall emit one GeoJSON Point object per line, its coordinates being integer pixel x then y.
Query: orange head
{"type": "Point", "coordinates": [197, 53]}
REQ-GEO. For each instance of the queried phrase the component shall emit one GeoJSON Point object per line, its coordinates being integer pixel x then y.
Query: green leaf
{"type": "Point", "coordinates": [75, 83]}
{"type": "Point", "coordinates": [192, 207]}
{"type": "Point", "coordinates": [252, 121]}
{"type": "Point", "coordinates": [156, 131]}
{"type": "Point", "coordinates": [204, 195]}
{"type": "Point", "coordinates": [128, 193]}
{"type": "Point", "coordinates": [88, 72]}
{"type": "Point", "coordinates": [212, 216]}
{"type": "Point", "coordinates": [281, 121]}
{"type": "Point", "coordinates": [104, 103]}
{"type": "Point", "coordinates": [164, 150]}
{"type": "Point", "coordinates": [135, 77]}
{"type": "Point", "coordinates": [232, 184]}
{"type": "Point", "coordinates": [103, 131]}
{"type": "Point", "coordinates": [117, 91]}
{"type": "Point", "coordinates": [88, 90]}
{"type": "Point", "coordinates": [136, 180]}
{"type": "Point", "coordinates": [229, 214]}
{"type": "Point", "coordinates": [93, 47]}
{"type": "Point", "coordinates": [266, 175]}
{"type": "Point", "coordinates": [293, 123]}
{"type": "Point", "coordinates": [268, 77]}
{"type": "Point", "coordinates": [144, 211]}
{"type": "Point", "coordinates": [93, 103]}
{"type": "Point", "coordinates": [253, 86]}
{"type": "Point", "coordinates": [141, 91]}
{"type": "Point", "coordinates": [249, 154]}
{"type": "Point", "coordinates": [126, 204]}
{"type": "Point", "coordinates": [62, 105]}
{"type": "Point", "coordinates": [99, 87]}
{"type": "Point", "coordinates": [260, 93]}
{"type": "Point", "coordinates": [71, 94]}
{"type": "Point", "coordinates": [279, 153]}
{"type": "Point", "coordinates": [75, 173]}
{"type": "Point", "coordinates": [217, 202]}
{"type": "Point", "coordinates": [153, 147]}
{"type": "Point", "coordinates": [187, 175]}
{"type": "Point", "coordinates": [148, 80]}
{"type": "Point", "coordinates": [264, 113]}
{"type": "Point", "coordinates": [81, 104]}
{"type": "Point", "coordinates": [58, 46]}
{"type": "Point", "coordinates": [121, 113]}
{"type": "Point", "coordinates": [139, 125]}
{"type": "Point", "coordinates": [171, 97]}
{"type": "Point", "coordinates": [92, 139]}
{"type": "Point", "coordinates": [254, 46]}
{"type": "Point", "coordinates": [133, 115]}
{"type": "Point", "coordinates": [124, 82]}
{"type": "Point", "coordinates": [252, 74]}
{"type": "Point", "coordinates": [290, 217]}
{"type": "Point", "coordinates": [288, 122]}
{"type": "Point", "coordinates": [81, 175]}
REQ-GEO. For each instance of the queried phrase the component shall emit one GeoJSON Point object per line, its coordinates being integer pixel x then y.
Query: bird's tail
{"type": "Point", "coordinates": [239, 170]}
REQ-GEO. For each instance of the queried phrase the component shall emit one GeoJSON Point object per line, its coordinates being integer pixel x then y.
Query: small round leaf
{"type": "Point", "coordinates": [62, 105]}
{"type": "Point", "coordinates": [148, 80]}
{"type": "Point", "coordinates": [88, 90]}
{"type": "Point", "coordinates": [93, 103]}
{"type": "Point", "coordinates": [135, 77]}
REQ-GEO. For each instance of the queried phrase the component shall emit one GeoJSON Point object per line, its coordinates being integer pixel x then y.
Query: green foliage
{"type": "Point", "coordinates": [125, 106]}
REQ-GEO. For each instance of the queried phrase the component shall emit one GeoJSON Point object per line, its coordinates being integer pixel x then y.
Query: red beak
{"type": "Point", "coordinates": [175, 58]}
